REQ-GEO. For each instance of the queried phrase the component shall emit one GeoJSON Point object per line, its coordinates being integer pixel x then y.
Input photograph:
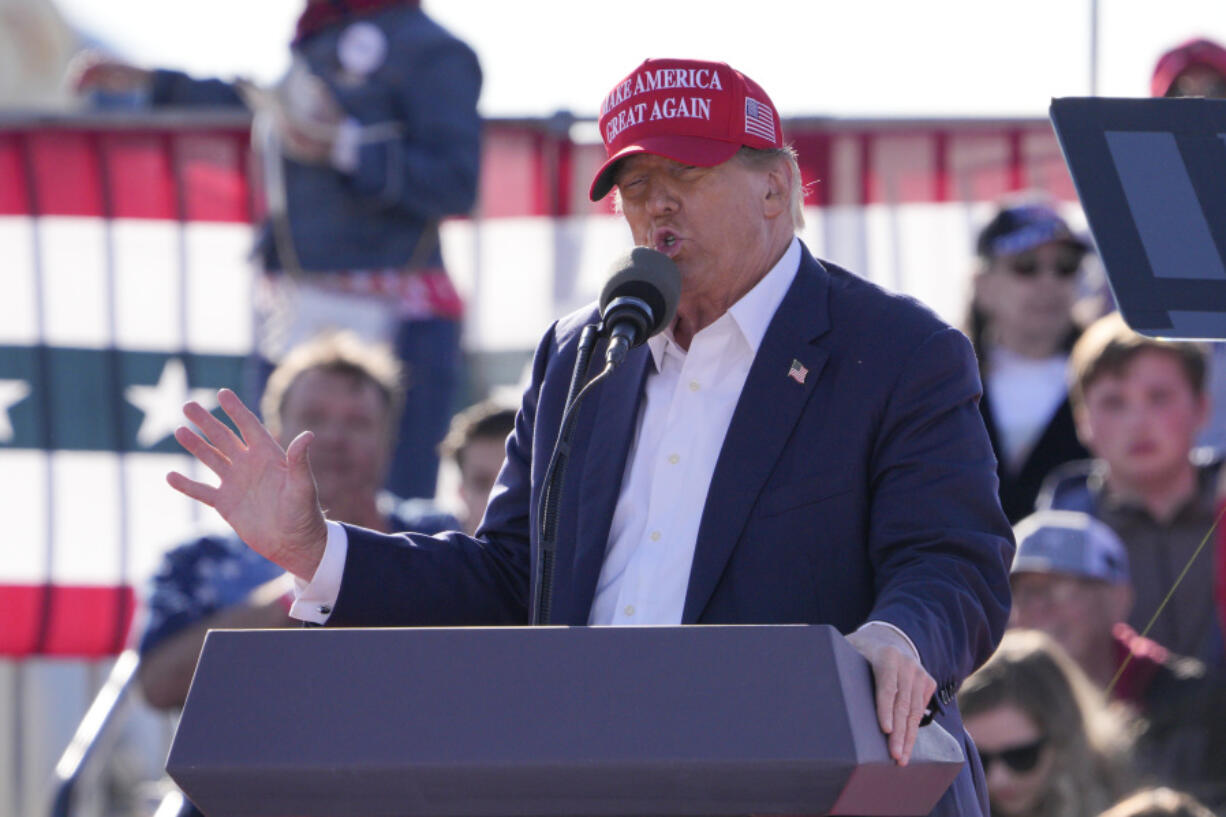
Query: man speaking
{"type": "Point", "coordinates": [799, 446]}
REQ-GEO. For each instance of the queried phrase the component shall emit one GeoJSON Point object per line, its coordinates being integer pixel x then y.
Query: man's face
{"type": "Point", "coordinates": [714, 222]}
{"type": "Point", "coordinates": [1078, 613]}
{"type": "Point", "coordinates": [1142, 422]}
{"type": "Point", "coordinates": [482, 460]}
{"type": "Point", "coordinates": [351, 425]}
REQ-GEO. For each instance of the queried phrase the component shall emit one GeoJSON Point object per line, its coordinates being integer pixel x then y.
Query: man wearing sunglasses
{"type": "Point", "coordinates": [1021, 324]}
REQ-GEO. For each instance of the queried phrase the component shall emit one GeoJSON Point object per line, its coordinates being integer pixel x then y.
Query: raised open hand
{"type": "Point", "coordinates": [267, 494]}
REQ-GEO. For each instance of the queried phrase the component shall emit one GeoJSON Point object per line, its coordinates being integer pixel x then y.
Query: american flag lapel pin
{"type": "Point", "coordinates": [797, 371]}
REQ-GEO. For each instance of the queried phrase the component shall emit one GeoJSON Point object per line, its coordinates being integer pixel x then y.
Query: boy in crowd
{"type": "Point", "coordinates": [1139, 404]}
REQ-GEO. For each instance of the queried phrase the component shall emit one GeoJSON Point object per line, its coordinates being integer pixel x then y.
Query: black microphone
{"type": "Point", "coordinates": [638, 301]}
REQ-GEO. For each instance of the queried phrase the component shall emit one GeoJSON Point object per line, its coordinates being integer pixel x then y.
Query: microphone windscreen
{"type": "Point", "coordinates": [652, 277]}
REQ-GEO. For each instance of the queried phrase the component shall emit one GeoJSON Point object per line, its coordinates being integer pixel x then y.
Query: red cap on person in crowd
{"type": "Point", "coordinates": [1182, 57]}
{"type": "Point", "coordinates": [690, 111]}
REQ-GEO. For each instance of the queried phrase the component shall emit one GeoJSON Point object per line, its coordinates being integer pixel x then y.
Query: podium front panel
{"type": "Point", "coordinates": [541, 721]}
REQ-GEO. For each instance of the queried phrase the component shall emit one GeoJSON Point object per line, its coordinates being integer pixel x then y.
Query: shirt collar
{"type": "Point", "coordinates": [754, 311]}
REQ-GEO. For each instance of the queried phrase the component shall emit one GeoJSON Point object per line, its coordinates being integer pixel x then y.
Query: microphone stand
{"type": "Point", "coordinates": [555, 474]}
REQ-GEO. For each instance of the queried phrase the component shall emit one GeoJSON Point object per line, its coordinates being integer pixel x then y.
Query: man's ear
{"type": "Point", "coordinates": [777, 200]}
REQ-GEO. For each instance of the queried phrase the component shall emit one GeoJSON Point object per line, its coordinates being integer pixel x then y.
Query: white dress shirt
{"type": "Point", "coordinates": [687, 407]}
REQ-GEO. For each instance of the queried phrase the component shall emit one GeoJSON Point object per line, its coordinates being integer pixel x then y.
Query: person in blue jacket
{"type": "Point", "coordinates": [797, 446]}
{"type": "Point", "coordinates": [371, 139]}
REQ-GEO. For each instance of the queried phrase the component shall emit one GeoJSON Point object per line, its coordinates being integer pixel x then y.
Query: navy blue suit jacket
{"type": "Point", "coordinates": [866, 492]}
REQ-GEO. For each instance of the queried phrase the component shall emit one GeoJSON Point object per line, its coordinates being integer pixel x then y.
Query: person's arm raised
{"type": "Point", "coordinates": [91, 70]}
{"type": "Point", "coordinates": [266, 493]}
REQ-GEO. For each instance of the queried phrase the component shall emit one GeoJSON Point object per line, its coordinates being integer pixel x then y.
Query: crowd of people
{"type": "Point", "coordinates": [1055, 419]}
{"type": "Point", "coordinates": [1107, 693]}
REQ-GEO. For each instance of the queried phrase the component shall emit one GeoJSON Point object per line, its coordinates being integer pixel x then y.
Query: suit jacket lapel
{"type": "Point", "coordinates": [604, 464]}
{"type": "Point", "coordinates": [769, 406]}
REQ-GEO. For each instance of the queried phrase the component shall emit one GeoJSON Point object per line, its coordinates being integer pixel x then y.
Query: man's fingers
{"type": "Point", "coordinates": [925, 688]}
{"type": "Point", "coordinates": [915, 712]}
{"type": "Point", "coordinates": [196, 490]}
{"type": "Point", "coordinates": [218, 433]}
{"type": "Point", "coordinates": [917, 691]}
{"type": "Point", "coordinates": [298, 453]}
{"type": "Point", "coordinates": [903, 690]}
{"type": "Point", "coordinates": [887, 693]}
{"type": "Point", "coordinates": [903, 687]}
{"type": "Point", "coordinates": [248, 424]}
{"type": "Point", "coordinates": [900, 714]}
{"type": "Point", "coordinates": [902, 720]}
{"type": "Point", "coordinates": [201, 450]}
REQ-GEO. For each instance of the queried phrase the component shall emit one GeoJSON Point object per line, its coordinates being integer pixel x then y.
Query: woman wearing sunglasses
{"type": "Point", "coordinates": [1021, 324]}
{"type": "Point", "coordinates": [1048, 745]}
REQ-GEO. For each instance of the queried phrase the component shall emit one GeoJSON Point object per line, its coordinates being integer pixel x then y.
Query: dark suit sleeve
{"type": "Point", "coordinates": [452, 579]}
{"type": "Point", "coordinates": [938, 541]}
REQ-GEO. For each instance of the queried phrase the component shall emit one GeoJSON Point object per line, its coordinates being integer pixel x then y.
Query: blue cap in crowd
{"type": "Point", "coordinates": [1070, 543]}
{"type": "Point", "coordinates": [1023, 227]}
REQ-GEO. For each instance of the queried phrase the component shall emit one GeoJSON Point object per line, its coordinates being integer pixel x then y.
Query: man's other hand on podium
{"type": "Point", "coordinates": [266, 493]}
{"type": "Point", "coordinates": [903, 687]}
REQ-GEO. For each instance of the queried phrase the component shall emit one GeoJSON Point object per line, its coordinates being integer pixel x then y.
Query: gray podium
{"type": "Point", "coordinates": [503, 722]}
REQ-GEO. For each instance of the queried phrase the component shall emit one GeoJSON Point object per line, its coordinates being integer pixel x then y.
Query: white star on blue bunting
{"type": "Point", "coordinates": [163, 403]}
{"type": "Point", "coordinates": [12, 392]}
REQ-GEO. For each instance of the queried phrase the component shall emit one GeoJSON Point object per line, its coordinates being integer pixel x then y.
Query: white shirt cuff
{"type": "Point", "coordinates": [314, 600]}
{"type": "Point", "coordinates": [911, 644]}
{"type": "Point", "coordinates": [345, 145]}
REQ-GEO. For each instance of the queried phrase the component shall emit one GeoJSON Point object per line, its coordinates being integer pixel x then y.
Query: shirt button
{"type": "Point", "coordinates": [673, 459]}
{"type": "Point", "coordinates": [655, 536]}
{"type": "Point", "coordinates": [629, 611]}
{"type": "Point", "coordinates": [694, 386]}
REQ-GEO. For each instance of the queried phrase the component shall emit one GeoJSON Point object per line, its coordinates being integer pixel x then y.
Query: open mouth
{"type": "Point", "coordinates": [668, 242]}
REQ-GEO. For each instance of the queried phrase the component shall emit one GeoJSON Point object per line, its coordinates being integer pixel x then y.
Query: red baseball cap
{"type": "Point", "coordinates": [690, 111]}
{"type": "Point", "coordinates": [1182, 57]}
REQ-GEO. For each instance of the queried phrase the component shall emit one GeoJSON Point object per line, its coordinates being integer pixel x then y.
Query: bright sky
{"type": "Point", "coordinates": [814, 57]}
